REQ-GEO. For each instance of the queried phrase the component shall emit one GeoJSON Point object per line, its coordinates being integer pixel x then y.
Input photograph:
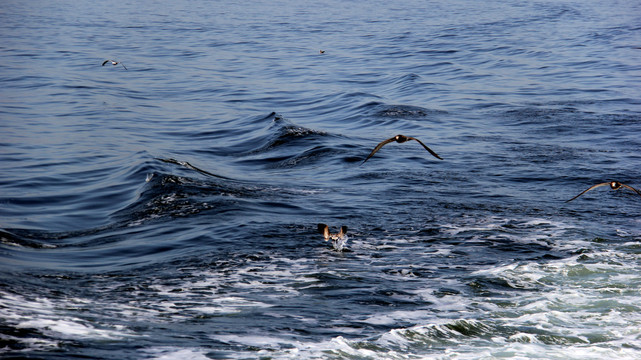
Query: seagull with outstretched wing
{"type": "Point", "coordinates": [400, 139]}
{"type": "Point", "coordinates": [614, 185]}
{"type": "Point", "coordinates": [114, 63]}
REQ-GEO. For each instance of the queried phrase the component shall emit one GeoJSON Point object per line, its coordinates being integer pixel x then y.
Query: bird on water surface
{"type": "Point", "coordinates": [114, 63]}
{"type": "Point", "coordinates": [338, 240]}
{"type": "Point", "coordinates": [324, 229]}
{"type": "Point", "coordinates": [614, 185]}
{"type": "Point", "coordinates": [400, 139]}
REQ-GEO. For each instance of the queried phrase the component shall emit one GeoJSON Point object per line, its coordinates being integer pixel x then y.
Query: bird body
{"type": "Point", "coordinates": [614, 185]}
{"type": "Point", "coordinates": [400, 139]}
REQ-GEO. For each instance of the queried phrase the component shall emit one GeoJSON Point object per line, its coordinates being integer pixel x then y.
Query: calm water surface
{"type": "Point", "coordinates": [169, 210]}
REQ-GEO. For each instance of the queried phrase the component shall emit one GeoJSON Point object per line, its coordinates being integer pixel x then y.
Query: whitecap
{"type": "Point", "coordinates": [171, 353]}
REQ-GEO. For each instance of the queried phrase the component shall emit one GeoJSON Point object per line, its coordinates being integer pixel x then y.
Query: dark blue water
{"type": "Point", "coordinates": [169, 210]}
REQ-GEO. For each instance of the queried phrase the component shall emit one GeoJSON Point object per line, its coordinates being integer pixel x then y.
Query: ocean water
{"type": "Point", "coordinates": [169, 210]}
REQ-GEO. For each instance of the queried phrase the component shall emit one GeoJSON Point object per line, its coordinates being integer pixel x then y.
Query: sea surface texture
{"type": "Point", "coordinates": [166, 207]}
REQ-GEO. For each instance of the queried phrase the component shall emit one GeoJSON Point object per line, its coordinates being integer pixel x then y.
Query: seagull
{"type": "Point", "coordinates": [114, 63]}
{"type": "Point", "coordinates": [324, 229]}
{"type": "Point", "coordinates": [614, 185]}
{"type": "Point", "coordinates": [400, 139]}
{"type": "Point", "coordinates": [338, 240]}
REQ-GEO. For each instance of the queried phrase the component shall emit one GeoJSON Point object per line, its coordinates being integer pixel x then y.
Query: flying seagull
{"type": "Point", "coordinates": [400, 139]}
{"type": "Point", "coordinates": [114, 63]}
{"type": "Point", "coordinates": [614, 185]}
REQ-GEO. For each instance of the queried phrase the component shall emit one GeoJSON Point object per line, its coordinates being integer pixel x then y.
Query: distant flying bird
{"type": "Point", "coordinates": [114, 63]}
{"type": "Point", "coordinates": [338, 240]}
{"type": "Point", "coordinates": [322, 51]}
{"type": "Point", "coordinates": [614, 185]}
{"type": "Point", "coordinates": [400, 139]}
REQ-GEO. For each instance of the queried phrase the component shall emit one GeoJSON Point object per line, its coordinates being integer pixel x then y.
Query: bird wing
{"type": "Point", "coordinates": [342, 232]}
{"type": "Point", "coordinates": [426, 148]}
{"type": "Point", "coordinates": [590, 188]}
{"type": "Point", "coordinates": [378, 147]}
{"type": "Point", "coordinates": [104, 62]}
{"type": "Point", "coordinates": [123, 65]}
{"type": "Point", "coordinates": [631, 188]}
{"type": "Point", "coordinates": [324, 229]}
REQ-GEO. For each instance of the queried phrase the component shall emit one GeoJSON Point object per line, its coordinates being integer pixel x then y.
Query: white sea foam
{"type": "Point", "coordinates": [228, 305]}
{"type": "Point", "coordinates": [253, 340]}
{"type": "Point", "coordinates": [72, 328]}
{"type": "Point", "coordinates": [589, 303]}
{"type": "Point", "coordinates": [339, 244]}
{"type": "Point", "coordinates": [583, 306]}
{"type": "Point", "coordinates": [172, 353]}
{"type": "Point", "coordinates": [50, 318]}
{"type": "Point", "coordinates": [393, 317]}
{"type": "Point", "coordinates": [444, 340]}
